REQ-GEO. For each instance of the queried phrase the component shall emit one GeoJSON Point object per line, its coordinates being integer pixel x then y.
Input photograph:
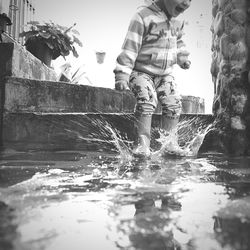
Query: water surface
{"type": "Point", "coordinates": [96, 200]}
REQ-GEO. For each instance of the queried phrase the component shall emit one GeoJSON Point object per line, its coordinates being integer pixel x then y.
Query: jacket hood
{"type": "Point", "coordinates": [159, 6]}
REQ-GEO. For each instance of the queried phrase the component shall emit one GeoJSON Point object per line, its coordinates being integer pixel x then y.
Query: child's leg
{"type": "Point", "coordinates": [171, 110]}
{"type": "Point", "coordinates": [142, 86]}
{"type": "Point", "coordinates": [170, 101]}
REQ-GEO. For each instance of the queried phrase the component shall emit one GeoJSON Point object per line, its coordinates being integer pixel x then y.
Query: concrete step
{"type": "Point", "coordinates": [48, 114]}
{"type": "Point", "coordinates": [78, 131]}
{"type": "Point", "coordinates": [27, 95]}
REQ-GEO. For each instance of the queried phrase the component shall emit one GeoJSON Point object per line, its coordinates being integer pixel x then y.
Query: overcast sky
{"type": "Point", "coordinates": [100, 22]}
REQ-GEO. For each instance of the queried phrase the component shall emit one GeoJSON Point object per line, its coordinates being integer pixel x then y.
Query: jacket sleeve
{"type": "Point", "coordinates": [182, 52]}
{"type": "Point", "coordinates": [131, 46]}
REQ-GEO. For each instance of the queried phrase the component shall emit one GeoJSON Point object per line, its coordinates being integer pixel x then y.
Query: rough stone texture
{"type": "Point", "coordinates": [26, 95]}
{"type": "Point", "coordinates": [230, 70]}
{"type": "Point", "coordinates": [16, 61]}
{"type": "Point", "coordinates": [8, 39]}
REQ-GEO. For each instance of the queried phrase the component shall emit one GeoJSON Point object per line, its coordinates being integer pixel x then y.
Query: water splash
{"type": "Point", "coordinates": [101, 132]}
{"type": "Point", "coordinates": [106, 133]}
{"type": "Point", "coordinates": [186, 140]}
{"type": "Point", "coordinates": [194, 146]}
{"type": "Point", "coordinates": [98, 131]}
{"type": "Point", "coordinates": [190, 134]}
{"type": "Point", "coordinates": [124, 150]}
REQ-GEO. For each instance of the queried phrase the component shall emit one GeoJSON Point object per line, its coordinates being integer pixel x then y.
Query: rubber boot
{"type": "Point", "coordinates": [169, 125]}
{"type": "Point", "coordinates": [144, 133]}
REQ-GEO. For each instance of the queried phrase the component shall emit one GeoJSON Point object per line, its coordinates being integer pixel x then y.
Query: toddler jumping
{"type": "Point", "coordinates": [153, 45]}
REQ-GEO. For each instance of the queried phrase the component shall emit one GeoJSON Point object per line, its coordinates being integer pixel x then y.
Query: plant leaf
{"type": "Point", "coordinates": [45, 35]}
{"type": "Point", "coordinates": [76, 32]}
{"type": "Point", "coordinates": [59, 39]}
{"type": "Point", "coordinates": [75, 54]}
{"type": "Point", "coordinates": [76, 40]}
{"type": "Point", "coordinates": [50, 45]}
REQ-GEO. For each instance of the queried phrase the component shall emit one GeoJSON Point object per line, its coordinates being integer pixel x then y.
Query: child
{"type": "Point", "coordinates": [152, 46]}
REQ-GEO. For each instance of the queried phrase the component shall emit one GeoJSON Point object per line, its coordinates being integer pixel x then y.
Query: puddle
{"type": "Point", "coordinates": [90, 200]}
{"type": "Point", "coordinates": [109, 200]}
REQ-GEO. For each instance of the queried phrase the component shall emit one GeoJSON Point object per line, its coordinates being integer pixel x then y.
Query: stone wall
{"type": "Point", "coordinates": [29, 95]}
{"type": "Point", "coordinates": [230, 72]}
{"type": "Point", "coordinates": [16, 61]}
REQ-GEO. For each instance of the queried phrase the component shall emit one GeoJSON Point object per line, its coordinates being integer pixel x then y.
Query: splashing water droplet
{"type": "Point", "coordinates": [195, 144]}
{"type": "Point", "coordinates": [190, 133]}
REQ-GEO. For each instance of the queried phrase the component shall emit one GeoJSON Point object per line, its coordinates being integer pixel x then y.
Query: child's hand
{"type": "Point", "coordinates": [182, 59]}
{"type": "Point", "coordinates": [185, 65]}
{"type": "Point", "coordinates": [121, 85]}
{"type": "Point", "coordinates": [121, 81]}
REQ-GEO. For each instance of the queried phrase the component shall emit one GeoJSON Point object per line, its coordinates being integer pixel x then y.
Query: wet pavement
{"type": "Point", "coordinates": [95, 200]}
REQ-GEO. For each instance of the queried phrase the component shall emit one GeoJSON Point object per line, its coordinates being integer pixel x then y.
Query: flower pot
{"type": "Point", "coordinates": [100, 56]}
{"type": "Point", "coordinates": [40, 50]}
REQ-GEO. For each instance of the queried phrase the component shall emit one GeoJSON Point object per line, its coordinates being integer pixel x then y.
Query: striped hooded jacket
{"type": "Point", "coordinates": [151, 44]}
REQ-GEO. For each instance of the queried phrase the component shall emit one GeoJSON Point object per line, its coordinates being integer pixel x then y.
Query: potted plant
{"type": "Point", "coordinates": [48, 41]}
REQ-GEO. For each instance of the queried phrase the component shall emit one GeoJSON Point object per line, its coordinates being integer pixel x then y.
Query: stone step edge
{"type": "Point", "coordinates": [98, 113]}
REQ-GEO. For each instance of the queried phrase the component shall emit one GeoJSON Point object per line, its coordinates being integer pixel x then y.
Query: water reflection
{"type": "Point", "coordinates": [225, 231]}
{"type": "Point", "coordinates": [8, 230]}
{"type": "Point", "coordinates": [153, 229]}
{"type": "Point", "coordinates": [91, 201]}
{"type": "Point", "coordinates": [232, 224]}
